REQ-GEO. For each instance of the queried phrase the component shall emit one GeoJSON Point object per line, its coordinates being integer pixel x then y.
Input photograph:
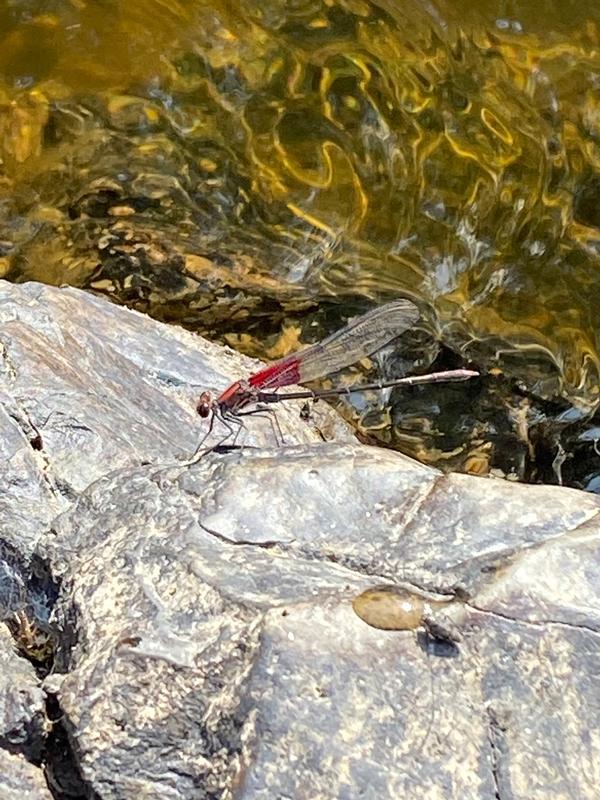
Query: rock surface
{"type": "Point", "coordinates": [89, 387]}
{"type": "Point", "coordinates": [23, 726]}
{"type": "Point", "coordinates": [22, 702]}
{"type": "Point", "coordinates": [20, 780]}
{"type": "Point", "coordinates": [207, 644]}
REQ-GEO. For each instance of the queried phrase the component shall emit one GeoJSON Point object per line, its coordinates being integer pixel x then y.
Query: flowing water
{"type": "Point", "coordinates": [260, 171]}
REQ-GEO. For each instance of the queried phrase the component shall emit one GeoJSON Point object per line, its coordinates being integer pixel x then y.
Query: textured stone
{"type": "Point", "coordinates": [23, 723]}
{"type": "Point", "coordinates": [20, 780]}
{"type": "Point", "coordinates": [102, 387]}
{"type": "Point", "coordinates": [207, 644]}
{"type": "Point", "coordinates": [219, 631]}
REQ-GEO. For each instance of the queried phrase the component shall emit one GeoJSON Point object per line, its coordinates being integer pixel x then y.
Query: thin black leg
{"type": "Point", "coordinates": [199, 452]}
{"type": "Point", "coordinates": [268, 414]}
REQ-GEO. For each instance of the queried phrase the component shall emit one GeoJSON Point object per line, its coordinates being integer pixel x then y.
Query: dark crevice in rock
{"type": "Point", "coordinates": [28, 594]}
{"type": "Point", "coordinates": [541, 623]}
{"type": "Point", "coordinates": [9, 368]}
{"type": "Point", "coordinates": [60, 762]}
{"type": "Point", "coordinates": [65, 491]}
{"type": "Point", "coordinates": [27, 427]}
{"type": "Point", "coordinates": [32, 749]}
{"type": "Point", "coordinates": [12, 579]}
{"type": "Point", "coordinates": [35, 440]}
{"type": "Point", "coordinates": [494, 758]}
{"type": "Point", "coordinates": [241, 542]}
{"type": "Point", "coordinates": [434, 592]}
{"type": "Point", "coordinates": [376, 571]}
{"type": "Point", "coordinates": [57, 486]}
{"type": "Point", "coordinates": [497, 742]}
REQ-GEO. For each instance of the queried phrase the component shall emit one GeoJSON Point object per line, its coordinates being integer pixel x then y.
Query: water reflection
{"type": "Point", "coordinates": [258, 171]}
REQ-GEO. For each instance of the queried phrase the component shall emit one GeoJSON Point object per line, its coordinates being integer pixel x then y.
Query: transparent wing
{"type": "Point", "coordinates": [361, 337]}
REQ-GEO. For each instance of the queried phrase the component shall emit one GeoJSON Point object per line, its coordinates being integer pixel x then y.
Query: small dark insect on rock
{"type": "Point", "coordinates": [305, 412]}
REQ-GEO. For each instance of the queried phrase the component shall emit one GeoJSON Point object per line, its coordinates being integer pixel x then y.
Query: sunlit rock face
{"type": "Point", "coordinates": [260, 174]}
{"type": "Point", "coordinates": [322, 618]}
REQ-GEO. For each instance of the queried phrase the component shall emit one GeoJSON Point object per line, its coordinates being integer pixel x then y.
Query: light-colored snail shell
{"type": "Point", "coordinates": [391, 608]}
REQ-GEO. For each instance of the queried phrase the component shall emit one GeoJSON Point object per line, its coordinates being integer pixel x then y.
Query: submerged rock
{"type": "Point", "coordinates": [207, 644]}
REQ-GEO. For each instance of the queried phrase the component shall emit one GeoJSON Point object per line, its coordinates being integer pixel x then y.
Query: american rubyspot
{"type": "Point", "coordinates": [359, 338]}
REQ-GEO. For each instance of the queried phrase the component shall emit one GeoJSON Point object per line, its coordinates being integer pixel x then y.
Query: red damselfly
{"type": "Point", "coordinates": [361, 337]}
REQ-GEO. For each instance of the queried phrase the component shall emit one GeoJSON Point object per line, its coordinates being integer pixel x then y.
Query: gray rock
{"type": "Point", "coordinates": [87, 387]}
{"type": "Point", "coordinates": [23, 723]}
{"type": "Point", "coordinates": [222, 657]}
{"type": "Point", "coordinates": [94, 387]}
{"type": "Point", "coordinates": [208, 645]}
{"type": "Point", "coordinates": [28, 501]}
{"type": "Point", "coordinates": [20, 780]}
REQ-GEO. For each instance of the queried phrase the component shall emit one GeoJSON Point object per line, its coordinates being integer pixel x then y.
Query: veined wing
{"type": "Point", "coordinates": [361, 337]}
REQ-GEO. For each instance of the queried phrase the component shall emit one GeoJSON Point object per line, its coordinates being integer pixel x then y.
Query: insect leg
{"type": "Point", "coordinates": [200, 452]}
{"type": "Point", "coordinates": [270, 415]}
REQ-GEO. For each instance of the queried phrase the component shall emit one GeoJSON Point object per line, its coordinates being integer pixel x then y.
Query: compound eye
{"type": "Point", "coordinates": [203, 409]}
{"type": "Point", "coordinates": [204, 405]}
